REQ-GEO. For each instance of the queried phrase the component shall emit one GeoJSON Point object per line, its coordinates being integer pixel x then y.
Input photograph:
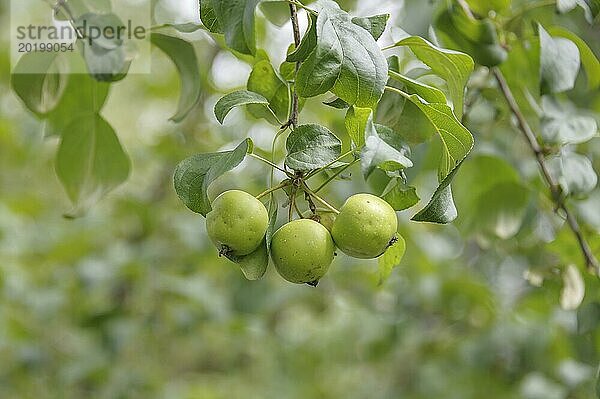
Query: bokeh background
{"type": "Point", "coordinates": [131, 301]}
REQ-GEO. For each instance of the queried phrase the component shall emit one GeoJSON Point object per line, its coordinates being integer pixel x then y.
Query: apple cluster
{"type": "Point", "coordinates": [302, 250]}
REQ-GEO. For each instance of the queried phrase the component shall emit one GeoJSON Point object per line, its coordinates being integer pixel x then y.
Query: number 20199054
{"type": "Point", "coordinates": [45, 47]}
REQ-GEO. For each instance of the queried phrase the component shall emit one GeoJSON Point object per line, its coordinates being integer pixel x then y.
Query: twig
{"type": "Point", "coordinates": [336, 174]}
{"type": "Point", "coordinates": [293, 121]}
{"type": "Point", "coordinates": [321, 200]}
{"type": "Point", "coordinates": [591, 262]}
{"type": "Point", "coordinates": [283, 184]}
{"type": "Point", "coordinates": [271, 164]}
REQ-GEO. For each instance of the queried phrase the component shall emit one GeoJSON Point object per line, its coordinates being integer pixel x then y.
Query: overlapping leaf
{"type": "Point", "coordinates": [194, 175]}
{"type": "Point", "coordinates": [346, 60]}
{"type": "Point", "coordinates": [311, 147]}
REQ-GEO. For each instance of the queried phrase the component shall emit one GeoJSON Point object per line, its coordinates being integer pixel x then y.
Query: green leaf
{"type": "Point", "coordinates": [194, 175]}
{"type": "Point", "coordinates": [400, 196]}
{"type": "Point", "coordinates": [208, 16]}
{"type": "Point", "coordinates": [276, 11]}
{"type": "Point", "coordinates": [311, 147]}
{"type": "Point", "coordinates": [483, 7]}
{"type": "Point", "coordinates": [500, 210]}
{"type": "Point", "coordinates": [574, 173]}
{"type": "Point", "coordinates": [189, 27]}
{"type": "Point", "coordinates": [266, 82]}
{"type": "Point", "coordinates": [183, 55]}
{"type": "Point", "coordinates": [356, 124]}
{"type": "Point", "coordinates": [346, 60]}
{"type": "Point", "coordinates": [107, 65]}
{"type": "Point", "coordinates": [102, 21]}
{"type": "Point", "coordinates": [337, 103]}
{"type": "Point", "coordinates": [590, 62]}
{"type": "Point", "coordinates": [452, 66]}
{"type": "Point", "coordinates": [90, 160]}
{"type": "Point", "coordinates": [457, 141]}
{"type": "Point", "coordinates": [441, 208]}
{"type": "Point", "coordinates": [83, 96]}
{"type": "Point", "coordinates": [237, 99]}
{"type": "Point", "coordinates": [490, 197]}
{"type": "Point", "coordinates": [307, 45]}
{"type": "Point", "coordinates": [426, 92]}
{"type": "Point", "coordinates": [561, 123]}
{"type": "Point", "coordinates": [391, 258]}
{"type": "Point", "coordinates": [564, 6]}
{"type": "Point", "coordinates": [40, 92]}
{"type": "Point", "coordinates": [598, 383]}
{"type": "Point", "coordinates": [559, 63]}
{"type": "Point", "coordinates": [375, 25]}
{"type": "Point", "coordinates": [385, 150]}
{"type": "Point", "coordinates": [236, 19]}
{"type": "Point", "coordinates": [254, 266]}
{"type": "Point", "coordinates": [477, 37]}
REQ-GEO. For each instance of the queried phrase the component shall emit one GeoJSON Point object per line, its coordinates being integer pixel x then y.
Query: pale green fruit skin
{"type": "Point", "coordinates": [302, 251]}
{"type": "Point", "coordinates": [238, 221]}
{"type": "Point", "coordinates": [365, 226]}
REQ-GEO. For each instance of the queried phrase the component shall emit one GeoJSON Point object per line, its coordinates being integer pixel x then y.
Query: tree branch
{"type": "Point", "coordinates": [591, 262]}
{"type": "Point", "coordinates": [295, 103]}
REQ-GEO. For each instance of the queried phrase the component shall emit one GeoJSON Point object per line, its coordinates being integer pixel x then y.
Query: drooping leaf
{"type": "Point", "coordinates": [183, 55]}
{"type": "Point", "coordinates": [375, 25]}
{"type": "Point", "coordinates": [391, 258]}
{"type": "Point", "coordinates": [254, 265]}
{"type": "Point", "coordinates": [208, 16]}
{"type": "Point", "coordinates": [590, 62]}
{"type": "Point", "coordinates": [276, 11]}
{"type": "Point", "coordinates": [574, 173]}
{"type": "Point", "coordinates": [346, 60]}
{"type": "Point", "coordinates": [90, 160]}
{"type": "Point", "coordinates": [457, 143]}
{"type": "Point", "coordinates": [83, 96]}
{"type": "Point", "coordinates": [266, 82]}
{"type": "Point", "coordinates": [307, 45]}
{"type": "Point", "coordinates": [39, 79]}
{"type": "Point", "coordinates": [311, 147]}
{"type": "Point", "coordinates": [356, 124]}
{"type": "Point", "coordinates": [237, 99]}
{"type": "Point", "coordinates": [194, 175]}
{"type": "Point", "coordinates": [563, 124]}
{"type": "Point", "coordinates": [385, 150]}
{"type": "Point", "coordinates": [441, 208]}
{"type": "Point", "coordinates": [400, 196]}
{"type": "Point", "coordinates": [107, 65]}
{"type": "Point", "coordinates": [188, 27]}
{"type": "Point", "coordinates": [236, 19]}
{"type": "Point", "coordinates": [559, 63]}
{"type": "Point", "coordinates": [452, 66]}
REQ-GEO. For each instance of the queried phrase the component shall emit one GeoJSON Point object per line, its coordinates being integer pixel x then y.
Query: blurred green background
{"type": "Point", "coordinates": [131, 301]}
